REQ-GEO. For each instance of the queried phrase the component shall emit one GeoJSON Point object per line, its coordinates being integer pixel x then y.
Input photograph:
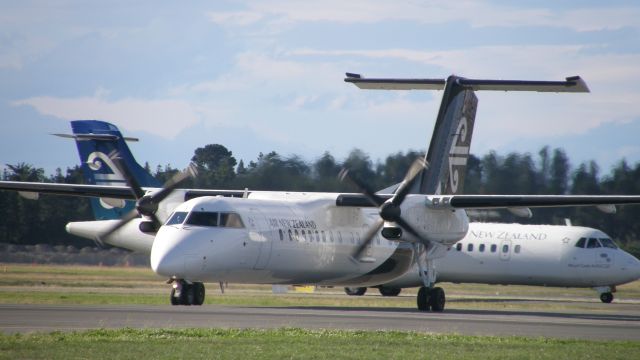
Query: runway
{"type": "Point", "coordinates": [46, 318]}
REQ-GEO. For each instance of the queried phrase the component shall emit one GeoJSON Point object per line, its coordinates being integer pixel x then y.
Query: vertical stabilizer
{"type": "Point", "coordinates": [450, 142]}
{"type": "Point", "coordinates": [95, 140]}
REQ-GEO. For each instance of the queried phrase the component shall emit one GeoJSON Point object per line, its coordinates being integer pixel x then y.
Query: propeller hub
{"type": "Point", "coordinates": [389, 211]}
{"type": "Point", "coordinates": [146, 206]}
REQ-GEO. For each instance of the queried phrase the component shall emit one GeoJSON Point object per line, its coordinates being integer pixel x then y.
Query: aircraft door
{"type": "Point", "coordinates": [261, 233]}
{"type": "Point", "coordinates": [505, 250]}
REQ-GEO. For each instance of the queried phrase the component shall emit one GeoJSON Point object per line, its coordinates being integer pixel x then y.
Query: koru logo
{"type": "Point", "coordinates": [99, 161]}
{"type": "Point", "coordinates": [458, 153]}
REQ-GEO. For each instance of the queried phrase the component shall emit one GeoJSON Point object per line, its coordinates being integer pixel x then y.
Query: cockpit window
{"type": "Point", "coordinates": [231, 220]}
{"type": "Point", "coordinates": [209, 218]}
{"type": "Point", "coordinates": [177, 218]}
{"type": "Point", "coordinates": [581, 242]}
{"type": "Point", "coordinates": [593, 243]}
{"type": "Point", "coordinates": [203, 218]}
{"type": "Point", "coordinates": [608, 243]}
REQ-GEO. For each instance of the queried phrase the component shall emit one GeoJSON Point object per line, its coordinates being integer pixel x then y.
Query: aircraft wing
{"type": "Point", "coordinates": [514, 201]}
{"type": "Point", "coordinates": [115, 192]}
{"type": "Point", "coordinates": [502, 201]}
{"type": "Point", "coordinates": [31, 189]}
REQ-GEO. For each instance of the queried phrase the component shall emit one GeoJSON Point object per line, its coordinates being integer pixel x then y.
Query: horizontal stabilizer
{"type": "Point", "coordinates": [571, 84]}
{"type": "Point", "coordinates": [99, 137]}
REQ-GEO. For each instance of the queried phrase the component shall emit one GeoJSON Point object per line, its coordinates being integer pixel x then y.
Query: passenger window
{"type": "Point", "coordinates": [505, 248]}
{"type": "Point", "coordinates": [481, 248]}
{"type": "Point", "coordinates": [593, 243]}
{"type": "Point", "coordinates": [581, 242]}
{"type": "Point", "coordinates": [494, 247]}
{"type": "Point", "coordinates": [469, 247]}
{"type": "Point", "coordinates": [231, 220]}
{"type": "Point", "coordinates": [177, 218]}
{"type": "Point", "coordinates": [203, 218]}
{"type": "Point", "coordinates": [608, 243]}
{"type": "Point", "coordinates": [458, 246]}
{"type": "Point", "coordinates": [290, 237]}
{"type": "Point", "coordinates": [516, 249]}
{"type": "Point", "coordinates": [281, 234]}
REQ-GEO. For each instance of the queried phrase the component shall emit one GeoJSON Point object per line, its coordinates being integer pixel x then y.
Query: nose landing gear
{"type": "Point", "coordinates": [187, 293]}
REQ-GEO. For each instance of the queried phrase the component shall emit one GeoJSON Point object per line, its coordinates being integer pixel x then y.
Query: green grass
{"type": "Point", "coordinates": [298, 344]}
{"type": "Point", "coordinates": [86, 285]}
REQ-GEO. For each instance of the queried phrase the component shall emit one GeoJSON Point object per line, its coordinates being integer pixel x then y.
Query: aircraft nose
{"type": "Point", "coordinates": [167, 258]}
{"type": "Point", "coordinates": [636, 268]}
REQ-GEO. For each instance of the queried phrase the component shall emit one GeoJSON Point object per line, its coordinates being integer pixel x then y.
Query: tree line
{"type": "Point", "coordinates": [547, 172]}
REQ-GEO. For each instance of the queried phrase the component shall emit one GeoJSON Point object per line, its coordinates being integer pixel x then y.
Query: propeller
{"type": "Point", "coordinates": [146, 204]}
{"type": "Point", "coordinates": [389, 210]}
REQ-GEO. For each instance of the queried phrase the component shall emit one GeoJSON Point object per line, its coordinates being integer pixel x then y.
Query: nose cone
{"type": "Point", "coordinates": [167, 257]}
{"type": "Point", "coordinates": [631, 267]}
{"type": "Point", "coordinates": [635, 268]}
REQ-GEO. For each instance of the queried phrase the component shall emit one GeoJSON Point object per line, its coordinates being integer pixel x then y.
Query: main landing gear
{"type": "Point", "coordinates": [187, 293]}
{"type": "Point", "coordinates": [429, 297]}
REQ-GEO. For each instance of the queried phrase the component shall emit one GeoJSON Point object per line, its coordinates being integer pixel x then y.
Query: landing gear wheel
{"type": "Point", "coordinates": [437, 299]}
{"type": "Point", "coordinates": [355, 291]}
{"type": "Point", "coordinates": [189, 294]}
{"type": "Point", "coordinates": [606, 297]}
{"type": "Point", "coordinates": [198, 293]}
{"type": "Point", "coordinates": [174, 300]}
{"type": "Point", "coordinates": [424, 304]}
{"type": "Point", "coordinates": [389, 291]}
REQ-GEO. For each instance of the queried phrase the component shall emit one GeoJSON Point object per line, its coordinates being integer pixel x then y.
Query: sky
{"type": "Point", "coordinates": [261, 76]}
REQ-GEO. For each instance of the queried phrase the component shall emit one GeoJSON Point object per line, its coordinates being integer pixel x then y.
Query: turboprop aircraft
{"type": "Point", "coordinates": [541, 255]}
{"type": "Point", "coordinates": [341, 239]}
{"type": "Point", "coordinates": [490, 253]}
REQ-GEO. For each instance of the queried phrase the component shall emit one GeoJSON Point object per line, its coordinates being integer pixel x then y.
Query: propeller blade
{"type": "Point", "coordinates": [123, 221]}
{"type": "Point", "coordinates": [173, 183]}
{"type": "Point", "coordinates": [409, 179]}
{"type": "Point", "coordinates": [405, 225]}
{"type": "Point", "coordinates": [364, 189]}
{"type": "Point", "coordinates": [368, 237]}
{"type": "Point", "coordinates": [135, 187]}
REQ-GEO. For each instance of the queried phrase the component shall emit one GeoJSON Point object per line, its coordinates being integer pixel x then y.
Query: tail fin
{"type": "Point", "coordinates": [95, 140]}
{"type": "Point", "coordinates": [451, 139]}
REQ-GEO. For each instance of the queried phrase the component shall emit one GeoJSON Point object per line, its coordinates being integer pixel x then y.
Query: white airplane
{"type": "Point", "coordinates": [339, 239]}
{"type": "Point", "coordinates": [490, 253]}
{"type": "Point", "coordinates": [540, 255]}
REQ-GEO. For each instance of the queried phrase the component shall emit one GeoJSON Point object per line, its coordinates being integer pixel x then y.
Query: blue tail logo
{"type": "Point", "coordinates": [95, 140]}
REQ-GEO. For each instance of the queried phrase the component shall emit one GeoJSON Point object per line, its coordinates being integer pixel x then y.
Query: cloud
{"type": "Point", "coordinates": [474, 13]}
{"type": "Point", "coordinates": [164, 117]}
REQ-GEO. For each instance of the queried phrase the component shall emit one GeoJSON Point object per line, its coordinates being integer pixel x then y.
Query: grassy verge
{"type": "Point", "coordinates": [61, 284]}
{"type": "Point", "coordinates": [298, 344]}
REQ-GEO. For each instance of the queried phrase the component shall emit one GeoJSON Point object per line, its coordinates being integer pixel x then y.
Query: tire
{"type": "Point", "coordinates": [198, 293]}
{"type": "Point", "coordinates": [437, 299]}
{"type": "Point", "coordinates": [423, 299]}
{"type": "Point", "coordinates": [389, 291]}
{"type": "Point", "coordinates": [188, 294]}
{"type": "Point", "coordinates": [355, 291]}
{"type": "Point", "coordinates": [173, 298]}
{"type": "Point", "coordinates": [606, 298]}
